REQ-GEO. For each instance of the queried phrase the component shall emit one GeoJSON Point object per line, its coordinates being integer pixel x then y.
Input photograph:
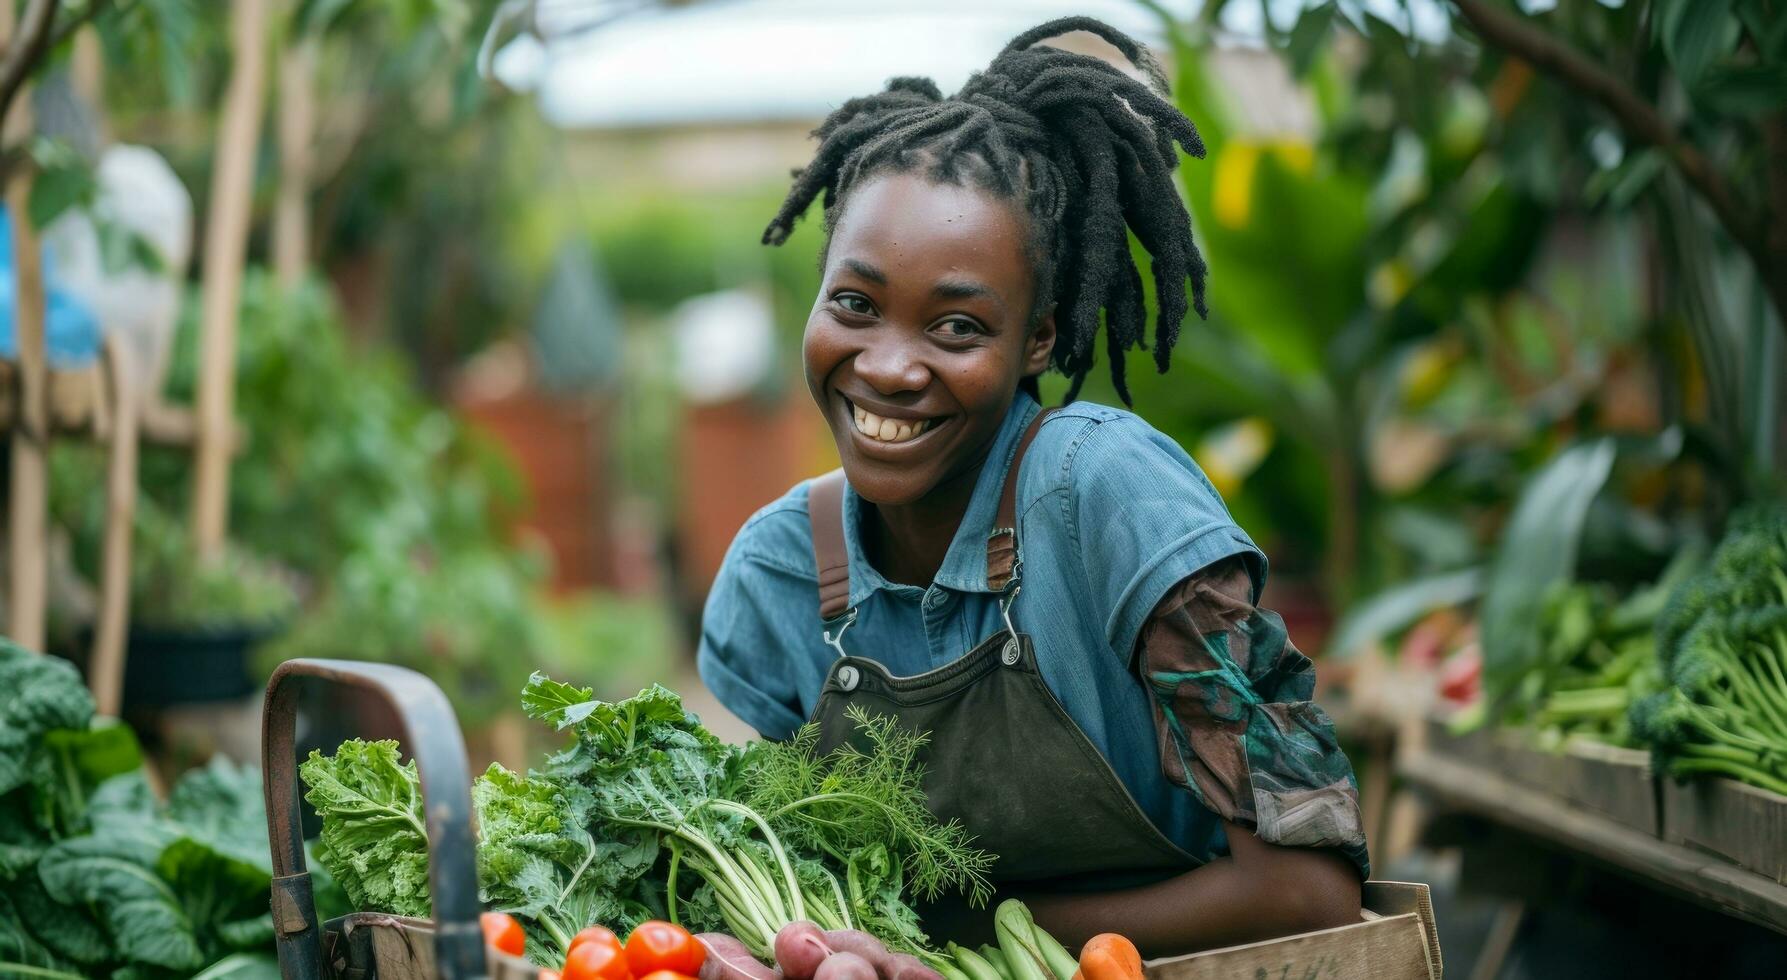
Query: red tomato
{"type": "Point", "coordinates": [596, 934]}
{"type": "Point", "coordinates": [503, 932]}
{"type": "Point", "coordinates": [656, 946]}
{"type": "Point", "coordinates": [666, 975]}
{"type": "Point", "coordinates": [596, 961]}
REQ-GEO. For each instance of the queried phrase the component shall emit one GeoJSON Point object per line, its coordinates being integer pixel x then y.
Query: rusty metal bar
{"type": "Point", "coordinates": [431, 736]}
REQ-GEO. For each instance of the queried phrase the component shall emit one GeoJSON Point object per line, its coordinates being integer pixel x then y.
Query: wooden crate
{"type": "Point", "coordinates": [1607, 780]}
{"type": "Point", "coordinates": [369, 946]}
{"type": "Point", "coordinates": [1395, 940]}
{"type": "Point", "coordinates": [1611, 781]}
{"type": "Point", "coordinates": [1740, 823]}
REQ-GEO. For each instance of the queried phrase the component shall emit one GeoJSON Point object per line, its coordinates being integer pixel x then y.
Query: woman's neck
{"type": "Point", "coordinates": [908, 542]}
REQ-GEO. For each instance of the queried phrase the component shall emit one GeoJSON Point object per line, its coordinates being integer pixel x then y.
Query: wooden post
{"type": "Point", "coordinates": [297, 128]}
{"type": "Point", "coordinates": [106, 673]}
{"type": "Point", "coordinates": [28, 555]}
{"type": "Point", "coordinates": [226, 243]}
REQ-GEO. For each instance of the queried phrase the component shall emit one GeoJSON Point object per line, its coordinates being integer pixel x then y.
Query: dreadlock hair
{"type": "Point", "coordinates": [1085, 149]}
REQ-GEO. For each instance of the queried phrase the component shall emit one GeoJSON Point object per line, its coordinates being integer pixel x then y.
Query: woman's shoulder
{"type": "Point", "coordinates": [1088, 446]}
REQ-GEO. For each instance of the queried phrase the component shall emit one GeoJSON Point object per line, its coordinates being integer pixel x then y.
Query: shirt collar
{"type": "Point", "coordinates": [965, 565]}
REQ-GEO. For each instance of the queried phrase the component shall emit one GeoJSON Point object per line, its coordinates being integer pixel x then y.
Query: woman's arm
{"type": "Point", "coordinates": [1260, 891]}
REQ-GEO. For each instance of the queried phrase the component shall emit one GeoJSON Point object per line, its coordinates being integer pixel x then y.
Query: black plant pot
{"type": "Point", "coordinates": [192, 665]}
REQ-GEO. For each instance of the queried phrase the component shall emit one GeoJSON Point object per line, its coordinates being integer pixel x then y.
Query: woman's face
{"type": "Point", "coordinates": [921, 332]}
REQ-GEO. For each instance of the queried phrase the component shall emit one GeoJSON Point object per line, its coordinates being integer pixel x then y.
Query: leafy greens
{"type": "Point", "coordinates": [646, 814]}
{"type": "Point", "coordinates": [98, 879]}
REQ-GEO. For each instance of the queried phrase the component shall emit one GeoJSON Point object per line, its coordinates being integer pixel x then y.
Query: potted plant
{"type": "Point", "coordinates": [194, 623]}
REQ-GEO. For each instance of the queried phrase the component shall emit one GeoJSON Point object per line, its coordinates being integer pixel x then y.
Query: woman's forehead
{"type": "Point", "coordinates": [909, 225]}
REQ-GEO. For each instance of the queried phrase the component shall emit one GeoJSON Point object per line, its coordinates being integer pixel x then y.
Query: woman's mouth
{"type": "Point", "coordinates": [889, 431]}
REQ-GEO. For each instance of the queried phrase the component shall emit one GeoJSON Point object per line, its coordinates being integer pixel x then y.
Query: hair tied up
{"type": "Point", "coordinates": [1085, 149]}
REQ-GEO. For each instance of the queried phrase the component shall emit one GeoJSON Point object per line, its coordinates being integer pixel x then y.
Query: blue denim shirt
{"type": "Point", "coordinates": [1112, 515]}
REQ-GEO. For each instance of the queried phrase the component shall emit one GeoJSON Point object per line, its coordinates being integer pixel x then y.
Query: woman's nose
{"type": "Point", "coordinates": [890, 365]}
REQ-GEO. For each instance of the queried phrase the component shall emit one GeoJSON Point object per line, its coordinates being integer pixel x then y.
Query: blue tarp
{"type": "Point", "coordinates": [71, 332]}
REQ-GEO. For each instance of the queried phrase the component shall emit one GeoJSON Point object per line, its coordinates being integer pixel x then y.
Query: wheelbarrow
{"type": "Point", "coordinates": [363, 945]}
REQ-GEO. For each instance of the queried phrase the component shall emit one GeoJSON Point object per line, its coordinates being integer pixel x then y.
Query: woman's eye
{"type": "Point", "coordinates": [959, 328]}
{"type": "Point", "coordinates": [858, 305]}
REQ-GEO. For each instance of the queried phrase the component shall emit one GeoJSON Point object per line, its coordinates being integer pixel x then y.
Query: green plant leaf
{"type": "Point", "coordinates": [373, 840]}
{"type": "Point", "coordinates": [38, 694]}
{"type": "Point", "coordinates": [1744, 90]}
{"type": "Point", "coordinates": [1696, 34]}
{"type": "Point", "coordinates": [241, 966]}
{"type": "Point", "coordinates": [1400, 606]}
{"type": "Point", "coordinates": [21, 954]}
{"type": "Point", "coordinates": [112, 871]}
{"type": "Point", "coordinates": [63, 180]}
{"type": "Point", "coordinates": [66, 930]}
{"type": "Point", "coordinates": [73, 763]}
{"type": "Point", "coordinates": [1538, 549]}
{"type": "Point", "coordinates": [1308, 37]}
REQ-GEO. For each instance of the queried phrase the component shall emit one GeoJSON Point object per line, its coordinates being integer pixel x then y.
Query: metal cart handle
{"type": "Point", "coordinates": [431, 735]}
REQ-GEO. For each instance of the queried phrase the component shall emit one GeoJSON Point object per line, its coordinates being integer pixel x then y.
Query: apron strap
{"type": "Point", "coordinates": [1002, 544]}
{"type": "Point", "coordinates": [825, 511]}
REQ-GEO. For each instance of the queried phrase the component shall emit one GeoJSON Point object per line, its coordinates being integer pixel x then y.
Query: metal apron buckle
{"type": "Point", "coordinates": [836, 640]}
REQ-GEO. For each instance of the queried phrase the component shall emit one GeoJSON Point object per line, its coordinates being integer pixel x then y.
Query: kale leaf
{"type": "Point", "coordinates": [374, 841]}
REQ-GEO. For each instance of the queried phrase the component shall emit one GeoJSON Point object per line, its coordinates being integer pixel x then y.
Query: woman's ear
{"type": "Point", "coordinates": [1039, 345]}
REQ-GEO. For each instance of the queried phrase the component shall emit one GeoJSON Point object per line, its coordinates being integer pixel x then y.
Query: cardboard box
{"type": "Point", "coordinates": [1395, 940]}
{"type": "Point", "coordinates": [1740, 823]}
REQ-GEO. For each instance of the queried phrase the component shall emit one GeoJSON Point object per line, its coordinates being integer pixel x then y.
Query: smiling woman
{"type": "Point", "coordinates": [1145, 745]}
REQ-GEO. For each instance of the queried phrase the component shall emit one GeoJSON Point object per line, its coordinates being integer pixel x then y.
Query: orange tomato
{"type": "Point", "coordinates": [596, 961]}
{"type": "Point", "coordinates": [596, 934]}
{"type": "Point", "coordinates": [502, 931]}
{"type": "Point", "coordinates": [666, 975]}
{"type": "Point", "coordinates": [656, 946]}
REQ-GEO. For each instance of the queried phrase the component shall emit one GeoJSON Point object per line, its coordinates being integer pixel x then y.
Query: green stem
{"type": "Point", "coordinates": [556, 931]}
{"type": "Point", "coordinates": [676, 860]}
{"type": "Point", "coordinates": [722, 864]}
{"type": "Point", "coordinates": [1750, 691]}
{"type": "Point", "coordinates": [1735, 770]}
{"type": "Point", "coordinates": [775, 846]}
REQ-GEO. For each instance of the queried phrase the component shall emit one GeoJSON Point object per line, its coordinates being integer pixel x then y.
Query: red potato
{"type": "Point", "coordinates": [845, 966]}
{"type": "Point", "coordinates": [729, 959]}
{"type": "Point", "coordinates": [800, 948]}
{"type": "Point", "coordinates": [889, 966]}
{"type": "Point", "coordinates": [905, 966]}
{"type": "Point", "coordinates": [860, 943]}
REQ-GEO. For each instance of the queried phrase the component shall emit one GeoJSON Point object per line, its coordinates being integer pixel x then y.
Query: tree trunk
{"type": "Point", "coordinates": [226, 243]}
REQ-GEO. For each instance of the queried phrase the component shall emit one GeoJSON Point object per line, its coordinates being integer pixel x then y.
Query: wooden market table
{"type": "Point", "coordinates": [1461, 784]}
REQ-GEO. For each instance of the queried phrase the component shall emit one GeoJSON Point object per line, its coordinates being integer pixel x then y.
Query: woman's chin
{"type": "Point", "coordinates": [883, 484]}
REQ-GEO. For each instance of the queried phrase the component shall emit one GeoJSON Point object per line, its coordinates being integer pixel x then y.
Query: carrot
{"type": "Point", "coordinates": [1108, 956]}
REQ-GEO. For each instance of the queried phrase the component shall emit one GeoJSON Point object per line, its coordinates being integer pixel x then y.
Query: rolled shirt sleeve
{"type": "Point", "coordinates": [1145, 517]}
{"type": "Point", "coordinates": [1235, 721]}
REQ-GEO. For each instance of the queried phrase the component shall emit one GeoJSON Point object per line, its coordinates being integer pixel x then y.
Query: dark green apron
{"type": "Point", "coordinates": [1004, 757]}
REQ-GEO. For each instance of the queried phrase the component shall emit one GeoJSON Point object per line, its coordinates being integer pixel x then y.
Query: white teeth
{"type": "Point", "coordinates": [888, 430]}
